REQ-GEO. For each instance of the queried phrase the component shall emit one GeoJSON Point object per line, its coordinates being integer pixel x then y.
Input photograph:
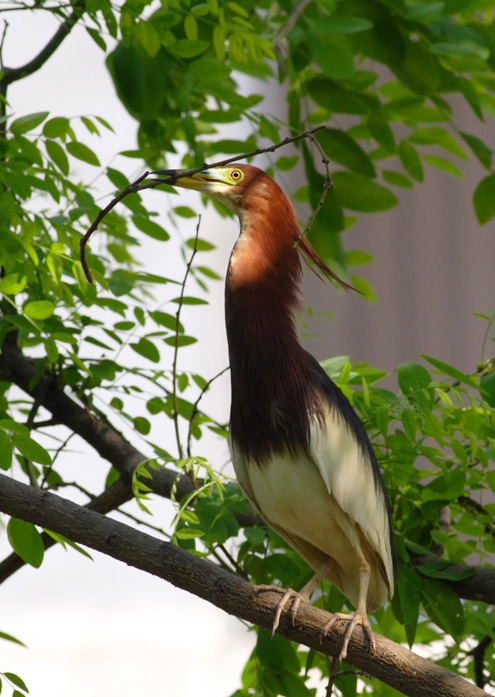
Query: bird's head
{"type": "Point", "coordinates": [258, 200]}
{"type": "Point", "coordinates": [236, 186]}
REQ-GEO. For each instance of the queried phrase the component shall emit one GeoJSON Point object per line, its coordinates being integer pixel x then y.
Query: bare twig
{"type": "Point", "coordinates": [196, 405]}
{"type": "Point", "coordinates": [285, 29]}
{"type": "Point", "coordinates": [176, 343]}
{"type": "Point", "coordinates": [131, 189]}
{"type": "Point", "coordinates": [328, 184]}
{"type": "Point", "coordinates": [136, 186]}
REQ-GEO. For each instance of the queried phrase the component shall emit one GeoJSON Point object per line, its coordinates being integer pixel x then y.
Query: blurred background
{"type": "Point", "coordinates": [100, 628]}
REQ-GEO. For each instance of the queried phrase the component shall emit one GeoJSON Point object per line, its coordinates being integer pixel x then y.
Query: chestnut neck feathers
{"type": "Point", "coordinates": [273, 384]}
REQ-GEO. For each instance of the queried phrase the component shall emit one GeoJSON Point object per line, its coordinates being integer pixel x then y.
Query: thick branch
{"type": "Point", "coordinates": [109, 500]}
{"type": "Point", "coordinates": [392, 663]}
{"type": "Point", "coordinates": [479, 587]}
{"type": "Point", "coordinates": [101, 435]}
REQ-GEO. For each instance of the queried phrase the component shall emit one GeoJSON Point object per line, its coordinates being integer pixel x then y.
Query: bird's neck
{"type": "Point", "coordinates": [270, 373]}
{"type": "Point", "coordinates": [262, 290]}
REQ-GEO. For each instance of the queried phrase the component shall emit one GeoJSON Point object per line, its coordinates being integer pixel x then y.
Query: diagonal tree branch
{"type": "Point", "coordinates": [108, 442]}
{"type": "Point", "coordinates": [11, 75]}
{"type": "Point", "coordinates": [392, 663]}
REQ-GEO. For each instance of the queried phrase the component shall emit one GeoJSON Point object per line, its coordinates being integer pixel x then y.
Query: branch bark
{"type": "Point", "coordinates": [392, 663]}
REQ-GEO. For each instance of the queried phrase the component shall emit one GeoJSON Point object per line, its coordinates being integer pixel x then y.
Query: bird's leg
{"type": "Point", "coordinates": [359, 617]}
{"type": "Point", "coordinates": [304, 594]}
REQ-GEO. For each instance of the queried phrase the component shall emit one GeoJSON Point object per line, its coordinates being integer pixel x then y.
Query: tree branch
{"type": "Point", "coordinates": [13, 74]}
{"type": "Point", "coordinates": [479, 587]}
{"type": "Point", "coordinates": [100, 434]}
{"type": "Point", "coordinates": [392, 663]}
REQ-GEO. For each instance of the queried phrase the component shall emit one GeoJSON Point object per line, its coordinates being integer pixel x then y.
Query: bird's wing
{"type": "Point", "coordinates": [343, 454]}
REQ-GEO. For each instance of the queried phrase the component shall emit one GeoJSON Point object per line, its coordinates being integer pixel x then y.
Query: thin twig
{"type": "Point", "coordinates": [328, 184]}
{"type": "Point", "coordinates": [284, 31]}
{"type": "Point", "coordinates": [2, 41]}
{"type": "Point", "coordinates": [132, 188]}
{"type": "Point", "coordinates": [196, 404]}
{"type": "Point", "coordinates": [136, 186]}
{"type": "Point", "coordinates": [176, 343]}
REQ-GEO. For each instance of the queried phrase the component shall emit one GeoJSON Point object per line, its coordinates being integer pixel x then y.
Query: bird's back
{"type": "Point", "coordinates": [327, 499]}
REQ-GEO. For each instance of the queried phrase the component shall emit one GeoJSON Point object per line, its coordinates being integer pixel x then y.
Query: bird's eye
{"type": "Point", "coordinates": [236, 175]}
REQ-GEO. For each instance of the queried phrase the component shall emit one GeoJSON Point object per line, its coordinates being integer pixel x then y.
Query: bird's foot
{"type": "Point", "coordinates": [354, 620]}
{"type": "Point", "coordinates": [286, 596]}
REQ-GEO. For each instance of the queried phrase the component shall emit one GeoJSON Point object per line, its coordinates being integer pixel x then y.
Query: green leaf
{"type": "Point", "coordinates": [199, 245]}
{"type": "Point", "coordinates": [483, 200]}
{"type": "Point", "coordinates": [434, 135]}
{"type": "Point", "coordinates": [150, 228]}
{"type": "Point", "coordinates": [358, 193]}
{"type": "Point", "coordinates": [19, 682]}
{"type": "Point", "coordinates": [444, 165]}
{"type": "Point", "coordinates": [187, 300]}
{"type": "Point", "coordinates": [182, 340]}
{"type": "Point", "coordinates": [444, 607]}
{"type": "Point", "coordinates": [412, 378]}
{"type": "Point", "coordinates": [341, 148]}
{"type": "Point", "coordinates": [9, 637]}
{"type": "Point", "coordinates": [39, 309]}
{"type": "Point", "coordinates": [82, 152]}
{"type": "Point", "coordinates": [364, 287]}
{"type": "Point", "coordinates": [146, 349]}
{"type": "Point", "coordinates": [57, 155]}
{"type": "Point", "coordinates": [13, 283]}
{"type": "Point", "coordinates": [26, 123]}
{"type": "Point", "coordinates": [26, 541]}
{"type": "Point", "coordinates": [184, 48]}
{"type": "Point", "coordinates": [331, 95]}
{"type": "Point", "coordinates": [479, 148]}
{"type": "Point", "coordinates": [451, 371]}
{"type": "Point", "coordinates": [5, 451]}
{"type": "Point", "coordinates": [342, 25]}
{"type": "Point", "coordinates": [440, 569]}
{"type": "Point", "coordinates": [487, 388]}
{"type": "Point", "coordinates": [356, 257]}
{"type": "Point", "coordinates": [118, 179]}
{"type": "Point", "coordinates": [397, 179]}
{"type": "Point", "coordinates": [32, 450]}
{"type": "Point", "coordinates": [410, 160]}
{"type": "Point", "coordinates": [185, 212]}
{"type": "Point", "coordinates": [284, 163]}
{"type": "Point", "coordinates": [188, 533]}
{"type": "Point", "coordinates": [142, 425]}
{"type": "Point", "coordinates": [56, 128]}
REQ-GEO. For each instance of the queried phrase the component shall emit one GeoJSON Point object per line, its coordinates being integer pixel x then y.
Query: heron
{"type": "Point", "coordinates": [300, 452]}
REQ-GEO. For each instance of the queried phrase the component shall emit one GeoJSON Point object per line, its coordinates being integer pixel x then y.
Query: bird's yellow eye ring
{"type": "Point", "coordinates": [236, 175]}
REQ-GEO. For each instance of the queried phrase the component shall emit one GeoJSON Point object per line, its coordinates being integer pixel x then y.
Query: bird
{"type": "Point", "coordinates": [300, 452]}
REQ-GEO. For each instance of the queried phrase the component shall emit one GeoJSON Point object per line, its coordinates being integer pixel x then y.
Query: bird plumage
{"type": "Point", "coordinates": [300, 452]}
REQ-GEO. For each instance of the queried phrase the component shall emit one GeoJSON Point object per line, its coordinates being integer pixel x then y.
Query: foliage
{"type": "Point", "coordinates": [381, 75]}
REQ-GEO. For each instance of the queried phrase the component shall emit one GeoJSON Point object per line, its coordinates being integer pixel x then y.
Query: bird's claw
{"type": "Point", "coordinates": [287, 595]}
{"type": "Point", "coordinates": [353, 620]}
